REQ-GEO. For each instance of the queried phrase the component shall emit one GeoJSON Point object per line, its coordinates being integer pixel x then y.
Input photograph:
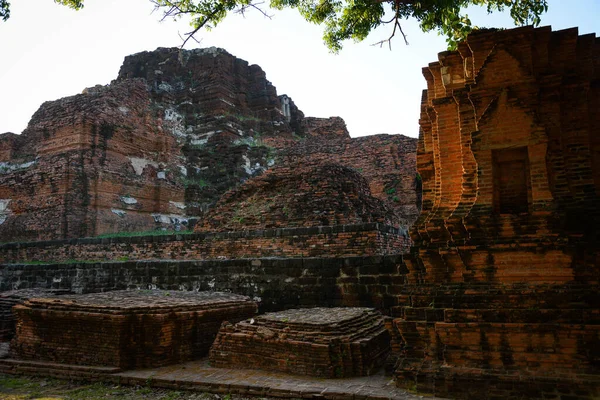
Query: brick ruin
{"type": "Point", "coordinates": [498, 296]}
{"type": "Point", "coordinates": [160, 145]}
{"type": "Point", "coordinates": [124, 329]}
{"type": "Point", "coordinates": [505, 265]}
{"type": "Point", "coordinates": [299, 195]}
{"type": "Point", "coordinates": [10, 298]}
{"type": "Point", "coordinates": [323, 342]}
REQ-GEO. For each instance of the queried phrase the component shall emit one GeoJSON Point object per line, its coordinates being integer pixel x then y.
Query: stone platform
{"type": "Point", "coordinates": [124, 329]}
{"type": "Point", "coordinates": [324, 342]}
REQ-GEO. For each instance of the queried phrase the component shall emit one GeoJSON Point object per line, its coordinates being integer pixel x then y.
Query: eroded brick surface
{"type": "Point", "coordinates": [325, 342]}
{"type": "Point", "coordinates": [502, 300]}
{"type": "Point", "coordinates": [158, 147]}
{"type": "Point", "coordinates": [296, 195]}
{"type": "Point", "coordinates": [10, 298]}
{"type": "Point", "coordinates": [124, 329]}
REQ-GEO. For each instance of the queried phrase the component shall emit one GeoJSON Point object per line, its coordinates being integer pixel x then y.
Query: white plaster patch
{"type": "Point", "coordinates": [198, 142]}
{"type": "Point", "coordinates": [4, 211]}
{"type": "Point", "coordinates": [4, 205]}
{"type": "Point", "coordinates": [172, 115]}
{"type": "Point", "coordinates": [249, 168]}
{"type": "Point", "coordinates": [170, 219]}
{"type": "Point", "coordinates": [128, 200]}
{"type": "Point", "coordinates": [6, 167]}
{"type": "Point", "coordinates": [174, 122]}
{"type": "Point", "coordinates": [227, 102]}
{"type": "Point", "coordinates": [161, 175]}
{"type": "Point", "coordinates": [201, 139]}
{"type": "Point", "coordinates": [120, 213]}
{"type": "Point", "coordinates": [165, 87]}
{"type": "Point", "coordinates": [124, 110]}
{"type": "Point", "coordinates": [140, 163]}
{"type": "Point", "coordinates": [177, 204]}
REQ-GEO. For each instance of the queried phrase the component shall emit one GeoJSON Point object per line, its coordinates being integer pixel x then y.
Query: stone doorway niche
{"type": "Point", "coordinates": [512, 182]}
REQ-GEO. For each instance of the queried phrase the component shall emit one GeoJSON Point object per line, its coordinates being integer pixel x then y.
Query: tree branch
{"type": "Point", "coordinates": [397, 26]}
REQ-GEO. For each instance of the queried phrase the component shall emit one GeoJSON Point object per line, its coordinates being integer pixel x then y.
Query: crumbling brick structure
{"type": "Point", "coordinates": [124, 329]}
{"type": "Point", "coordinates": [158, 147]}
{"type": "Point", "coordinates": [323, 342]}
{"type": "Point", "coordinates": [506, 264]}
{"type": "Point", "coordinates": [299, 195]}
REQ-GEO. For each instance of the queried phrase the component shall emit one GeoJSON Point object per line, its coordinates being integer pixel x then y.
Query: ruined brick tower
{"type": "Point", "coordinates": [506, 262]}
{"type": "Point", "coordinates": [509, 155]}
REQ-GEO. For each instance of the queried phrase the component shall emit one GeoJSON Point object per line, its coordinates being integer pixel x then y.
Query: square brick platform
{"type": "Point", "coordinates": [324, 342]}
{"type": "Point", "coordinates": [124, 329]}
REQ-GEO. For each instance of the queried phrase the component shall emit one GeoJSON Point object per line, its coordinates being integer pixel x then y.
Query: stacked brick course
{"type": "Point", "coordinates": [324, 342]}
{"type": "Point", "coordinates": [278, 283]}
{"type": "Point", "coordinates": [124, 329]}
{"type": "Point", "coordinates": [503, 298]}
{"type": "Point", "coordinates": [11, 298]}
{"type": "Point", "coordinates": [368, 239]}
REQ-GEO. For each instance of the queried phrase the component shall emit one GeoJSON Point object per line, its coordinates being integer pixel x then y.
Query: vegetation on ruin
{"type": "Point", "coordinates": [145, 233]}
{"type": "Point", "coordinates": [348, 19]}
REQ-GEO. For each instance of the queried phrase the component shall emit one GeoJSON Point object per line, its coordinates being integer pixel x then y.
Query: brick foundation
{"type": "Point", "coordinates": [124, 329]}
{"type": "Point", "coordinates": [324, 342]}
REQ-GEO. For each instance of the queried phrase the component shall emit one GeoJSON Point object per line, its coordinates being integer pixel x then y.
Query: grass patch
{"type": "Point", "coordinates": [25, 388]}
{"type": "Point", "coordinates": [143, 233]}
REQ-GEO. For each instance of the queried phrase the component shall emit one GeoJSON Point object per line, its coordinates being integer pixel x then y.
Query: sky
{"type": "Point", "coordinates": [48, 51]}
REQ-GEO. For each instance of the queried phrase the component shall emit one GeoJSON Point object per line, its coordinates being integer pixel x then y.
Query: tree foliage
{"type": "Point", "coordinates": [348, 19]}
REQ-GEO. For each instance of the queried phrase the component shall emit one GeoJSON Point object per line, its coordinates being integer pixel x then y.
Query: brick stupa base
{"type": "Point", "coordinates": [323, 342]}
{"type": "Point", "coordinates": [124, 329]}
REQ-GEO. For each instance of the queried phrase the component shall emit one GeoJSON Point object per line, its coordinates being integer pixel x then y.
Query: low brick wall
{"type": "Point", "coordinates": [323, 241]}
{"type": "Point", "coordinates": [277, 283]}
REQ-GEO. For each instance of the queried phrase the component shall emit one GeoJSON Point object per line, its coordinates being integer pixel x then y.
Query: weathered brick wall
{"type": "Point", "coordinates": [87, 164]}
{"type": "Point", "coordinates": [160, 145]}
{"type": "Point", "coordinates": [388, 163]}
{"type": "Point", "coordinates": [503, 296]}
{"type": "Point", "coordinates": [152, 149]}
{"type": "Point", "coordinates": [326, 241]}
{"type": "Point", "coordinates": [278, 284]}
{"type": "Point", "coordinates": [508, 154]}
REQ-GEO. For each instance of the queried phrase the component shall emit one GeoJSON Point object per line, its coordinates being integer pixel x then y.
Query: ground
{"type": "Point", "coordinates": [21, 388]}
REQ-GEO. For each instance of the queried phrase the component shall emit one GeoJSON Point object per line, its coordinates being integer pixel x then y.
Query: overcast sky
{"type": "Point", "coordinates": [48, 51]}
